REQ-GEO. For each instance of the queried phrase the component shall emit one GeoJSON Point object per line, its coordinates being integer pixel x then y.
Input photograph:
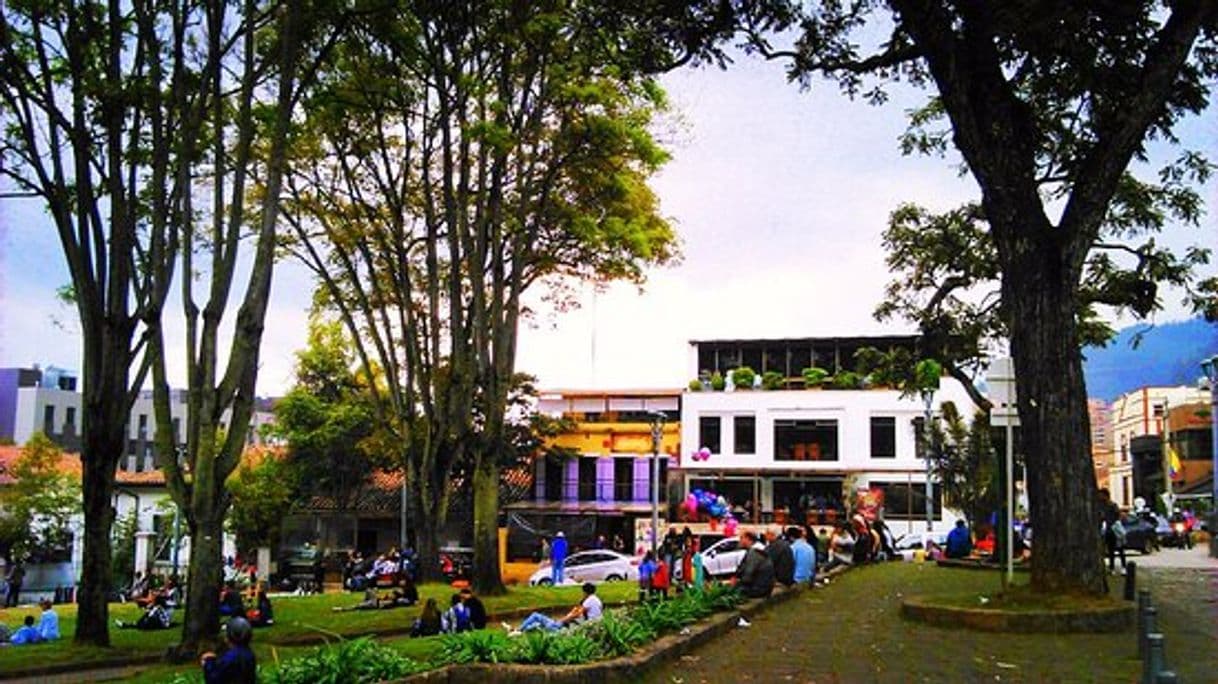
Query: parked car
{"type": "Point", "coordinates": [723, 557]}
{"type": "Point", "coordinates": [590, 566]}
{"type": "Point", "coordinates": [908, 544]}
{"type": "Point", "coordinates": [1141, 535]}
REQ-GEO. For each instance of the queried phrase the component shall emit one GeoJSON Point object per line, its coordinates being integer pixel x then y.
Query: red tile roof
{"type": "Point", "coordinates": [69, 463]}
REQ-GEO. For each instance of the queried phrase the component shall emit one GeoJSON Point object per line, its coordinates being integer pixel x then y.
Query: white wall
{"type": "Point", "coordinates": [31, 404]}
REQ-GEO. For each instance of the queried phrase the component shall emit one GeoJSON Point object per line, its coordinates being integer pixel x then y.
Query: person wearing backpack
{"type": "Point", "coordinates": [456, 618]}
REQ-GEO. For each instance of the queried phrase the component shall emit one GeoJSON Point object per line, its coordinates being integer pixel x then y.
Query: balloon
{"type": "Point", "coordinates": [729, 527]}
{"type": "Point", "coordinates": [721, 501]}
{"type": "Point", "coordinates": [704, 454]}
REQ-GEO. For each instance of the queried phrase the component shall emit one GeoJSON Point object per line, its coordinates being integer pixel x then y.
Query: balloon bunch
{"type": "Point", "coordinates": [702, 454]}
{"type": "Point", "coordinates": [713, 505]}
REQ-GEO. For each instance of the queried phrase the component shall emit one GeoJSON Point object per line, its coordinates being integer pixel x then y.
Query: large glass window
{"type": "Point", "coordinates": [883, 437]}
{"type": "Point", "coordinates": [587, 479]}
{"type": "Point", "coordinates": [905, 501]}
{"type": "Point", "coordinates": [745, 441]}
{"type": "Point", "coordinates": [623, 479]}
{"type": "Point", "coordinates": [554, 478]}
{"type": "Point", "coordinates": [805, 440]}
{"type": "Point", "coordinates": [710, 433]}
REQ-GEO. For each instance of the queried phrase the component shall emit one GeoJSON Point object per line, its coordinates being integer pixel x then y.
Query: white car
{"type": "Point", "coordinates": [907, 544]}
{"type": "Point", "coordinates": [590, 566]}
{"type": "Point", "coordinates": [723, 557]}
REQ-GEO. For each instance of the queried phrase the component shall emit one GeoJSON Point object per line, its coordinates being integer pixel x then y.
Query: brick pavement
{"type": "Point", "coordinates": [851, 632]}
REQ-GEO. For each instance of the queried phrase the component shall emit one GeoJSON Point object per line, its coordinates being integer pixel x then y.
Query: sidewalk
{"type": "Point", "coordinates": [1196, 557]}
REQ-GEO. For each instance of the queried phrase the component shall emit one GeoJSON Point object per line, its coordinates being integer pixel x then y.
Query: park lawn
{"type": "Point", "coordinates": [295, 618]}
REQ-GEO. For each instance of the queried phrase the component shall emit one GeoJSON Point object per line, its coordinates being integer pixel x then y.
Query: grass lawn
{"type": "Point", "coordinates": [294, 618]}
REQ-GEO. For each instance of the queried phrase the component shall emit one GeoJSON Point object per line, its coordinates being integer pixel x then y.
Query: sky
{"type": "Point", "coordinates": [779, 197]}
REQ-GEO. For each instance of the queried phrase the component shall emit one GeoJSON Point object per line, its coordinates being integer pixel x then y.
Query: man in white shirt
{"type": "Point", "coordinates": [589, 609]}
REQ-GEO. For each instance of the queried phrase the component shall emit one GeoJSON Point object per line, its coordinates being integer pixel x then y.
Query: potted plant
{"type": "Point", "coordinates": [772, 380]}
{"type": "Point", "coordinates": [695, 385]}
{"type": "Point", "coordinates": [743, 377]}
{"type": "Point", "coordinates": [815, 377]}
{"type": "Point", "coordinates": [717, 382]}
{"type": "Point", "coordinates": [847, 380]}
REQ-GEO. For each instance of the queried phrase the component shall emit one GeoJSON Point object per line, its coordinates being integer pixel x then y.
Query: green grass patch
{"type": "Point", "coordinates": [1021, 599]}
{"type": "Point", "coordinates": [296, 617]}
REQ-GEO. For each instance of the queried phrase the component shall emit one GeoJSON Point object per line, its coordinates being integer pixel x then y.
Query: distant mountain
{"type": "Point", "coordinates": [1169, 354]}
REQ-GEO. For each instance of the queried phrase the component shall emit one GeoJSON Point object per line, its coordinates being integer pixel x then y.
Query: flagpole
{"type": "Point", "coordinates": [1168, 498]}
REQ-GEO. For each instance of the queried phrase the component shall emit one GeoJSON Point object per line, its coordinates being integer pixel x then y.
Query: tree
{"type": "Point", "coordinates": [327, 420]}
{"type": "Point", "coordinates": [37, 506]}
{"type": "Point", "coordinates": [263, 489]}
{"type": "Point", "coordinates": [1048, 104]}
{"type": "Point", "coordinates": [460, 155]}
{"type": "Point", "coordinates": [963, 461]}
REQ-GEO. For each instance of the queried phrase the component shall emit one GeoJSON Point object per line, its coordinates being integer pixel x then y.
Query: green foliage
{"type": "Point", "coordinates": [36, 508]}
{"type": "Point", "coordinates": [928, 373]}
{"type": "Point", "coordinates": [814, 376]}
{"type": "Point", "coordinates": [847, 380]}
{"type": "Point", "coordinates": [361, 661]}
{"type": "Point", "coordinates": [772, 380]}
{"type": "Point", "coordinates": [263, 490]}
{"type": "Point", "coordinates": [717, 381]}
{"type": "Point", "coordinates": [743, 377]}
{"type": "Point", "coordinates": [479, 646]}
{"type": "Point", "coordinates": [620, 635]}
{"type": "Point", "coordinates": [695, 385]}
{"type": "Point", "coordinates": [963, 461]}
{"type": "Point", "coordinates": [122, 538]}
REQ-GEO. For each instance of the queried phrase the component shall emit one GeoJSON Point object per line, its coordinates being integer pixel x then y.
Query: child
{"type": "Point", "coordinates": [27, 635]}
{"type": "Point", "coordinates": [659, 579]}
{"type": "Point", "coordinates": [646, 570]}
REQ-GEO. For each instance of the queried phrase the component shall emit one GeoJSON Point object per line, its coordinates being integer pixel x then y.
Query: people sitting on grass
{"type": "Point", "coordinates": [263, 614]}
{"type": "Point", "coordinates": [230, 601]}
{"type": "Point", "coordinates": [841, 547]}
{"type": "Point", "coordinates": [755, 574]}
{"type": "Point", "coordinates": [456, 618]}
{"type": "Point", "coordinates": [959, 542]}
{"type": "Point", "coordinates": [477, 611]}
{"type": "Point", "coordinates": [158, 616]}
{"type": "Point", "coordinates": [428, 622]}
{"type": "Point", "coordinates": [589, 609]}
{"type": "Point", "coordinates": [48, 623]}
{"type": "Point", "coordinates": [27, 635]}
{"type": "Point", "coordinates": [238, 665]}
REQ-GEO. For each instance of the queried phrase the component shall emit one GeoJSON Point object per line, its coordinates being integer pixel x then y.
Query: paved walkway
{"type": "Point", "coordinates": [1196, 557]}
{"type": "Point", "coordinates": [851, 632]}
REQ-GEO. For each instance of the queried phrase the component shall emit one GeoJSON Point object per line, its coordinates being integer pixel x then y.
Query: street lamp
{"type": "Point", "coordinates": [657, 433]}
{"type": "Point", "coordinates": [928, 398]}
{"type": "Point", "coordinates": [1210, 368]}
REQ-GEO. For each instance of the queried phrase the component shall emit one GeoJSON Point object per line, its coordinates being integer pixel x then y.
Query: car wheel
{"type": "Point", "coordinates": [613, 578]}
{"type": "Point", "coordinates": [545, 582]}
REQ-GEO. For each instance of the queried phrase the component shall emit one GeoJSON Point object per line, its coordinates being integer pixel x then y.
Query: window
{"type": "Point", "coordinates": [554, 478]}
{"type": "Point", "coordinates": [746, 435]}
{"type": "Point", "coordinates": [709, 434]}
{"type": "Point", "coordinates": [70, 419]}
{"type": "Point", "coordinates": [48, 420]}
{"type": "Point", "coordinates": [907, 501]}
{"type": "Point", "coordinates": [623, 479]}
{"type": "Point", "coordinates": [663, 479]}
{"type": "Point", "coordinates": [143, 426]}
{"type": "Point", "coordinates": [805, 440]}
{"type": "Point", "coordinates": [587, 479]}
{"type": "Point", "coordinates": [883, 437]}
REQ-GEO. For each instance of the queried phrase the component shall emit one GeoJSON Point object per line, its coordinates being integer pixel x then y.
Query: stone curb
{"type": "Point", "coordinates": [1099, 620]}
{"type": "Point", "coordinates": [979, 565]}
{"type": "Point", "coordinates": [625, 668]}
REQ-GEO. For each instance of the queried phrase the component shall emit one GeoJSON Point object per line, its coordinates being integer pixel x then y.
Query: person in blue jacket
{"type": "Point", "coordinates": [558, 556]}
{"type": "Point", "coordinates": [238, 664]}
{"type": "Point", "coordinates": [959, 542]}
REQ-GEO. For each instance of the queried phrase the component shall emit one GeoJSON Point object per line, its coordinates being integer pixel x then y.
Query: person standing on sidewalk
{"type": "Point", "coordinates": [558, 556]}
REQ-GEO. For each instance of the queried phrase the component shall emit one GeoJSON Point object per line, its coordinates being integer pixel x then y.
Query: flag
{"type": "Point", "coordinates": [1173, 462]}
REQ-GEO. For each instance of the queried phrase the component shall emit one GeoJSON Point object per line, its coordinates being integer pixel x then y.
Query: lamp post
{"type": "Point", "coordinates": [1210, 368]}
{"type": "Point", "coordinates": [657, 433]}
{"type": "Point", "coordinates": [928, 398]}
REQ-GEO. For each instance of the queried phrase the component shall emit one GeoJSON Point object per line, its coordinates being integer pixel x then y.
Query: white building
{"type": "Point", "coordinates": [790, 453]}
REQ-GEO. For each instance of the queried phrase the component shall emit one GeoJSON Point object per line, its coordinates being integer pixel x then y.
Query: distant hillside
{"type": "Point", "coordinates": [1169, 354]}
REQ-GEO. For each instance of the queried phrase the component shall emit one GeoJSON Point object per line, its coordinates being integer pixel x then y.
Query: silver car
{"type": "Point", "coordinates": [590, 566]}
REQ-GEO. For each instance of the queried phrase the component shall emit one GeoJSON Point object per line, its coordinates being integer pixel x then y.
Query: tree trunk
{"type": "Point", "coordinates": [487, 577]}
{"type": "Point", "coordinates": [427, 530]}
{"type": "Point", "coordinates": [93, 616]}
{"type": "Point", "coordinates": [201, 629]}
{"type": "Point", "coordinates": [1040, 302]}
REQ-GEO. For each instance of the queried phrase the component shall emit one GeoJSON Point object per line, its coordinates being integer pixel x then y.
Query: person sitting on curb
{"type": "Point", "coordinates": [27, 635]}
{"type": "Point", "coordinates": [755, 575]}
{"type": "Point", "coordinates": [238, 665]}
{"type": "Point", "coordinates": [959, 542]}
{"type": "Point", "coordinates": [589, 609]}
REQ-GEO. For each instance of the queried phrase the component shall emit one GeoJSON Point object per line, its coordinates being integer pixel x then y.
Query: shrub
{"type": "Point", "coordinates": [620, 635]}
{"type": "Point", "coordinates": [717, 382]}
{"type": "Point", "coordinates": [573, 648]}
{"type": "Point", "coordinates": [815, 377]}
{"type": "Point", "coordinates": [772, 380]}
{"type": "Point", "coordinates": [847, 380]}
{"type": "Point", "coordinates": [357, 661]}
{"type": "Point", "coordinates": [480, 646]}
{"type": "Point", "coordinates": [695, 385]}
{"type": "Point", "coordinates": [743, 377]}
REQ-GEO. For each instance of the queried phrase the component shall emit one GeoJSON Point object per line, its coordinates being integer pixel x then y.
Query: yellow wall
{"type": "Point", "coordinates": [619, 438]}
